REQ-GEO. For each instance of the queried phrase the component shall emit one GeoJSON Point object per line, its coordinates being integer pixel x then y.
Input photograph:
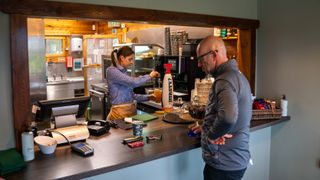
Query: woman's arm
{"type": "Point", "coordinates": [144, 97]}
{"type": "Point", "coordinates": [115, 75]}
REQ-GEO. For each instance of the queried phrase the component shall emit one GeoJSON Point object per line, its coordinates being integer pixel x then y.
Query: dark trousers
{"type": "Point", "coordinates": [210, 173]}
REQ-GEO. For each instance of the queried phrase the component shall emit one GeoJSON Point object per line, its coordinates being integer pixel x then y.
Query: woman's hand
{"type": "Point", "coordinates": [152, 97]}
{"type": "Point", "coordinates": [154, 74]}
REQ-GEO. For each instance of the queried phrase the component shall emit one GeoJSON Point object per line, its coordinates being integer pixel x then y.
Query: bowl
{"type": "Point", "coordinates": [46, 144]}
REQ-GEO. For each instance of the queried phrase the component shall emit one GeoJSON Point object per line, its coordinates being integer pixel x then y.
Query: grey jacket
{"type": "Point", "coordinates": [229, 111]}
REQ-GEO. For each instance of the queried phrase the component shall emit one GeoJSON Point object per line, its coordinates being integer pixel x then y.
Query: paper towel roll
{"type": "Point", "coordinates": [284, 107]}
{"type": "Point", "coordinates": [66, 120]}
{"type": "Point", "coordinates": [27, 146]}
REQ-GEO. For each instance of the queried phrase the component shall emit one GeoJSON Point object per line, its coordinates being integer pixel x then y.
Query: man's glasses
{"type": "Point", "coordinates": [200, 58]}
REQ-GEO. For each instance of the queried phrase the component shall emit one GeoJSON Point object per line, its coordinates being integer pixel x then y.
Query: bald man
{"type": "Point", "coordinates": [226, 126]}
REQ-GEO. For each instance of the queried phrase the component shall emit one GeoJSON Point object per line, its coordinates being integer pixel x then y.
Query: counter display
{"type": "Point", "coordinates": [111, 154]}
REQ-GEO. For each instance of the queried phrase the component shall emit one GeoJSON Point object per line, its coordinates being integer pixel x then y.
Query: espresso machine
{"type": "Point", "coordinates": [184, 71]}
{"type": "Point", "coordinates": [184, 68]}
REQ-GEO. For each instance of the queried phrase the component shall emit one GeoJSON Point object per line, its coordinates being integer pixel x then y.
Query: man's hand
{"type": "Point", "coordinates": [221, 140]}
{"type": "Point", "coordinates": [196, 128]}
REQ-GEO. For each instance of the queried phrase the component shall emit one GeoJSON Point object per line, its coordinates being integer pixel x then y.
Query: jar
{"type": "Point", "coordinates": [196, 109]}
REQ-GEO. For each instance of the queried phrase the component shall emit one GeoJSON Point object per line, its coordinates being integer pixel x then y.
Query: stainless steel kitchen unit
{"type": "Point", "coordinates": [64, 89]}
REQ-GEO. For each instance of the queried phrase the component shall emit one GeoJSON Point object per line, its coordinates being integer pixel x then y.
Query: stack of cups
{"type": "Point", "coordinates": [137, 127]}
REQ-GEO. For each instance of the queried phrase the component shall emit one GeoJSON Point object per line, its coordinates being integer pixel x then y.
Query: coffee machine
{"type": "Point", "coordinates": [184, 68]}
{"type": "Point", "coordinates": [184, 71]}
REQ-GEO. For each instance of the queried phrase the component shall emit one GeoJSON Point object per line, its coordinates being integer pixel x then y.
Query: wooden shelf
{"type": "Point", "coordinates": [92, 66]}
{"type": "Point", "coordinates": [230, 38]}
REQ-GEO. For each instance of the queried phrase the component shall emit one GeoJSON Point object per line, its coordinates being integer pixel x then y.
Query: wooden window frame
{"type": "Point", "coordinates": [21, 10]}
{"type": "Point", "coordinates": [63, 54]}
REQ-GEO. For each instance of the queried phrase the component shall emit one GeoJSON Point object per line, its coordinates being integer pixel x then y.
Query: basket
{"type": "Point", "coordinates": [266, 114]}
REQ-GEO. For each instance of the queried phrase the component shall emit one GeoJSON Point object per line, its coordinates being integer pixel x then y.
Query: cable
{"type": "Point", "coordinates": [61, 135]}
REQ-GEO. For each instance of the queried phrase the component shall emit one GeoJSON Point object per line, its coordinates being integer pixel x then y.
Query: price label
{"type": "Point", "coordinates": [35, 108]}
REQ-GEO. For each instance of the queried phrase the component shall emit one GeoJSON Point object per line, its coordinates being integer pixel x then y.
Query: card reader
{"type": "Point", "coordinates": [82, 148]}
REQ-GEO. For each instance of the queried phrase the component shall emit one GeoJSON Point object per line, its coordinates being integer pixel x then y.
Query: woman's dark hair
{"type": "Point", "coordinates": [123, 51]}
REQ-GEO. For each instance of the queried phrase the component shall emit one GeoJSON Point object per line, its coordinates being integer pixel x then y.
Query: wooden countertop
{"type": "Point", "coordinates": [110, 154]}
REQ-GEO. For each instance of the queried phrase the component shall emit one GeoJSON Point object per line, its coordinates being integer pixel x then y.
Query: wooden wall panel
{"type": "Point", "coordinates": [20, 76]}
{"type": "Point", "coordinates": [68, 27]}
{"type": "Point", "coordinates": [247, 57]}
{"type": "Point", "coordinates": [114, 13]}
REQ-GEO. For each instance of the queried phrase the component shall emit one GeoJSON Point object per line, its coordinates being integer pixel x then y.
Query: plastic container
{"type": "Point", "coordinates": [27, 146]}
{"type": "Point", "coordinates": [46, 144]}
{"type": "Point", "coordinates": [137, 128]}
{"type": "Point", "coordinates": [284, 106]}
{"type": "Point", "coordinates": [167, 90]}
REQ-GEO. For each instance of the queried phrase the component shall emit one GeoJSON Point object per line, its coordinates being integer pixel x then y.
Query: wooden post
{"type": "Point", "coordinates": [20, 76]}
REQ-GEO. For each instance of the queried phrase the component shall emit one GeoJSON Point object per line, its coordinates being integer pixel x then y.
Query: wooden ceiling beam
{"type": "Point", "coordinates": [114, 13]}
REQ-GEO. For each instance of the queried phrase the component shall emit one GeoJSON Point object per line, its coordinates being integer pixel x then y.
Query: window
{"type": "Point", "coordinates": [55, 46]}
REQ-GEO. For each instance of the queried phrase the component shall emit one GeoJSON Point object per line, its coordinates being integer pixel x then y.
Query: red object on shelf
{"type": "Point", "coordinates": [136, 144]}
{"type": "Point", "coordinates": [69, 62]}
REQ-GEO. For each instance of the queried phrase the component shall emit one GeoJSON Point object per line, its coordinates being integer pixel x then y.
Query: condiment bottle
{"type": "Point", "coordinates": [167, 90]}
{"type": "Point", "coordinates": [284, 106]}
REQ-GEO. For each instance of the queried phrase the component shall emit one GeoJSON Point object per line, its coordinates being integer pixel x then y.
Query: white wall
{"type": "Point", "coordinates": [288, 63]}
{"type": "Point", "coordinates": [6, 127]}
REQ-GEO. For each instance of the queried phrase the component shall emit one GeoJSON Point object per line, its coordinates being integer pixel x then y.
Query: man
{"type": "Point", "coordinates": [226, 126]}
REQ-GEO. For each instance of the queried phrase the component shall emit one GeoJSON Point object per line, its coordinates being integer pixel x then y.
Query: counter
{"type": "Point", "coordinates": [110, 154]}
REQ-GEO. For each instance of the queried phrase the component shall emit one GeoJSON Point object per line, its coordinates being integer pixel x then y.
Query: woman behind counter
{"type": "Point", "coordinates": [121, 85]}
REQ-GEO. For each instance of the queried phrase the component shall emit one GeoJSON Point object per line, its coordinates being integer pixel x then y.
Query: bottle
{"type": "Point", "coordinates": [89, 113]}
{"type": "Point", "coordinates": [33, 128]}
{"type": "Point", "coordinates": [284, 106]}
{"type": "Point", "coordinates": [27, 146]}
{"type": "Point", "coordinates": [167, 90]}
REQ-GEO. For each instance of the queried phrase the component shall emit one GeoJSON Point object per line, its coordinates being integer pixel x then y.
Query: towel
{"type": "Point", "coordinates": [10, 161]}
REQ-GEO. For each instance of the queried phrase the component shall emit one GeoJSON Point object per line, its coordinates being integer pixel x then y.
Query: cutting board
{"type": "Point", "coordinates": [144, 117]}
